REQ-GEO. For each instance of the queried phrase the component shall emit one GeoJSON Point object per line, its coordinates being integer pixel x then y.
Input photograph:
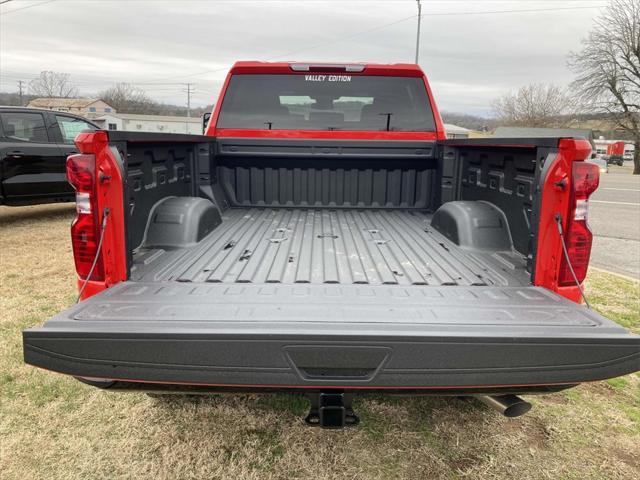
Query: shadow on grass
{"type": "Point", "coordinates": [415, 407]}
{"type": "Point", "coordinates": [274, 423]}
{"type": "Point", "coordinates": [13, 215]}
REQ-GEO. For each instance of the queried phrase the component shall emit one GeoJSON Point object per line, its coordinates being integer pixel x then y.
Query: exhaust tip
{"type": "Point", "coordinates": [517, 409]}
{"type": "Point", "coordinates": [510, 406]}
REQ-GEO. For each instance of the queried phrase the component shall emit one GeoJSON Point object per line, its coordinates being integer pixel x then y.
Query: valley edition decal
{"type": "Point", "coordinates": [327, 78]}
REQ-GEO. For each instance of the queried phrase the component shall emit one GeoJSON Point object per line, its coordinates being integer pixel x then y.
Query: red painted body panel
{"type": "Point", "coordinates": [326, 134]}
{"type": "Point", "coordinates": [557, 199]}
{"type": "Point", "coordinates": [279, 68]}
{"type": "Point", "coordinates": [110, 194]}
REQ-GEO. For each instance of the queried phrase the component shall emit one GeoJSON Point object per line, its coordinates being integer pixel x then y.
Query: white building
{"type": "Point", "coordinates": [133, 122]}
{"type": "Point", "coordinates": [80, 106]}
{"type": "Point", "coordinates": [454, 131]}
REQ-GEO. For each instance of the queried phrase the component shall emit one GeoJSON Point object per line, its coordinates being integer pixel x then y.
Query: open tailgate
{"type": "Point", "coordinates": [355, 336]}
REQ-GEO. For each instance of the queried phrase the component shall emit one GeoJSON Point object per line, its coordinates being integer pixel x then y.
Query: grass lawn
{"type": "Point", "coordinates": [52, 426]}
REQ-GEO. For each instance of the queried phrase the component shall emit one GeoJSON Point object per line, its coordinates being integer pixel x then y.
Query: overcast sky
{"type": "Point", "coordinates": [470, 57]}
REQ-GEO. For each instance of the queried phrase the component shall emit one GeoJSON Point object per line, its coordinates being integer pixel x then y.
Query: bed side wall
{"type": "Point", "coordinates": [155, 171]}
{"type": "Point", "coordinates": [502, 175]}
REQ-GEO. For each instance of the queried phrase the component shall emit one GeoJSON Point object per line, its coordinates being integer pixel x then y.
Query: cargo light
{"type": "Point", "coordinates": [326, 67]}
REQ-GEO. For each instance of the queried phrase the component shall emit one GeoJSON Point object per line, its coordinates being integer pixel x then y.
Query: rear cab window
{"type": "Point", "coordinates": [326, 102]}
{"type": "Point", "coordinates": [24, 127]}
{"type": "Point", "coordinates": [70, 127]}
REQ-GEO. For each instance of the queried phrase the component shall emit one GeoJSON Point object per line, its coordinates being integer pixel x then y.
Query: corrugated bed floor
{"type": "Point", "coordinates": [328, 246]}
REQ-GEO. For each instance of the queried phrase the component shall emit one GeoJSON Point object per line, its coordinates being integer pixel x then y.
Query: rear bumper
{"type": "Point", "coordinates": [540, 339]}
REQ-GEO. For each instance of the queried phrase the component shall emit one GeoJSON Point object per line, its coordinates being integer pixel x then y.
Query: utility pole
{"type": "Point", "coordinates": [189, 99]}
{"type": "Point", "coordinates": [418, 33]}
{"type": "Point", "coordinates": [20, 87]}
{"type": "Point", "coordinates": [188, 105]}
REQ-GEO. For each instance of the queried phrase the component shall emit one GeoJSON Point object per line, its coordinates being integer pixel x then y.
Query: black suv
{"type": "Point", "coordinates": [34, 145]}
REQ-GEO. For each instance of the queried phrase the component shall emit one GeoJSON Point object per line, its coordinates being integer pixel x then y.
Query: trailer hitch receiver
{"type": "Point", "coordinates": [331, 410]}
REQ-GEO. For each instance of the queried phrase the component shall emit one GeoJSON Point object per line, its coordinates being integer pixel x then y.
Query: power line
{"type": "Point", "coordinates": [418, 32]}
{"type": "Point", "coordinates": [153, 86]}
{"type": "Point", "coordinates": [24, 8]}
{"type": "Point", "coordinates": [380, 27]}
{"type": "Point", "coordinates": [196, 74]}
{"type": "Point", "coordinates": [358, 1]}
{"type": "Point", "coordinates": [347, 37]}
{"type": "Point", "coordinates": [342, 39]}
{"type": "Point", "coordinates": [293, 52]}
{"type": "Point", "coordinates": [528, 10]}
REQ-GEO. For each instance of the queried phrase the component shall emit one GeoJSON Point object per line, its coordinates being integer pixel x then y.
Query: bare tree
{"type": "Point", "coordinates": [126, 98]}
{"type": "Point", "coordinates": [53, 84]}
{"type": "Point", "coordinates": [608, 69]}
{"type": "Point", "coordinates": [536, 105]}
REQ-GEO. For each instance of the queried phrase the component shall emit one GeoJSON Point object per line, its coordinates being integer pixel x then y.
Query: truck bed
{"type": "Point", "coordinates": [308, 298]}
{"type": "Point", "coordinates": [329, 246]}
{"type": "Point", "coordinates": [325, 272]}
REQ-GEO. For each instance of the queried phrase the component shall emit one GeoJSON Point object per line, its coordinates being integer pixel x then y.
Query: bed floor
{"type": "Point", "coordinates": [336, 246]}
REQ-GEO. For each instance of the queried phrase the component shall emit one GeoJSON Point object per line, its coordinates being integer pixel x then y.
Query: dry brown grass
{"type": "Point", "coordinates": [52, 426]}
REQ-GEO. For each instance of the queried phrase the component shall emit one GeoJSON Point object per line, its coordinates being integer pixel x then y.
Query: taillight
{"type": "Point", "coordinates": [578, 237]}
{"type": "Point", "coordinates": [585, 179]}
{"type": "Point", "coordinates": [85, 229]}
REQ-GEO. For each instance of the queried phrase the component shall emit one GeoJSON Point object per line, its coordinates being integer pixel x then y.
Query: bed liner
{"type": "Point", "coordinates": [329, 246]}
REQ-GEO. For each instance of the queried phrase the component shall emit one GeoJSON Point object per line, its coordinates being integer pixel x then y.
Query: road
{"type": "Point", "coordinates": [614, 216]}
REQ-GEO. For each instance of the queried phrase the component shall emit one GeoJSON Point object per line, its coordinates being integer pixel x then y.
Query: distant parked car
{"type": "Point", "coordinates": [34, 145]}
{"type": "Point", "coordinates": [601, 162]}
{"type": "Point", "coordinates": [615, 153]}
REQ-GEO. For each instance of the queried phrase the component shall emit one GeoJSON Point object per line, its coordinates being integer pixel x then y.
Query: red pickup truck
{"type": "Point", "coordinates": [325, 237]}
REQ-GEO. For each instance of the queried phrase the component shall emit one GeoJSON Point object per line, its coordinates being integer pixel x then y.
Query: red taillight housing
{"type": "Point", "coordinates": [85, 229]}
{"type": "Point", "coordinates": [585, 178]}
